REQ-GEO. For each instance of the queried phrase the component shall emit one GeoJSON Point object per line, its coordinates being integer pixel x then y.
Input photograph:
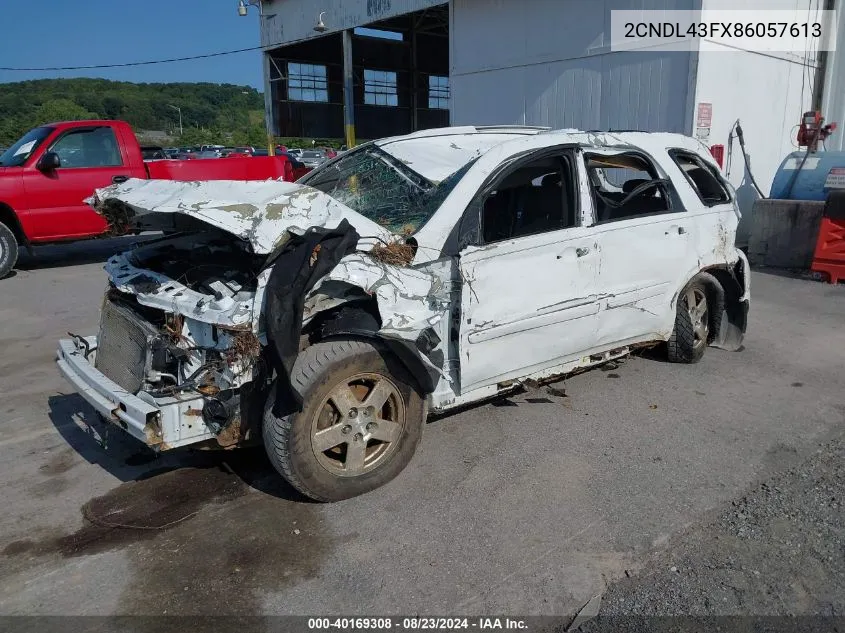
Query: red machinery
{"type": "Point", "coordinates": [718, 153]}
{"type": "Point", "coordinates": [829, 258]}
{"type": "Point", "coordinates": [812, 130]}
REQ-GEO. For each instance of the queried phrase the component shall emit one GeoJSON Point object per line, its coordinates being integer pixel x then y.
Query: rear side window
{"type": "Point", "coordinates": [703, 178]}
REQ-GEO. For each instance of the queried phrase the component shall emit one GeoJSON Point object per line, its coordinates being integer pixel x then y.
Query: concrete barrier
{"type": "Point", "coordinates": [783, 233]}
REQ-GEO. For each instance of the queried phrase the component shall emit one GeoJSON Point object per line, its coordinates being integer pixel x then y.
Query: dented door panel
{"type": "Point", "coordinates": [526, 303]}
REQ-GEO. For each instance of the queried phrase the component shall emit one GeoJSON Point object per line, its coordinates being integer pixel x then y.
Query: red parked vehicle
{"type": "Point", "coordinates": [46, 176]}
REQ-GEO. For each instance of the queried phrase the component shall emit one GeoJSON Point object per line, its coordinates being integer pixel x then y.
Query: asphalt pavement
{"type": "Point", "coordinates": [530, 505]}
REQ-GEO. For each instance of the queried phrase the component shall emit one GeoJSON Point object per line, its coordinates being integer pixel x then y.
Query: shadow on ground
{"type": "Point", "coordinates": [106, 445]}
{"type": "Point", "coordinates": [78, 253]}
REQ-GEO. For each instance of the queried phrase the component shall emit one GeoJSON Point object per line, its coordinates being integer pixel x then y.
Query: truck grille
{"type": "Point", "coordinates": [123, 346]}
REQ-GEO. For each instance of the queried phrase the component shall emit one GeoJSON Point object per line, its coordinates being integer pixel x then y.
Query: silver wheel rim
{"type": "Point", "coordinates": [697, 310]}
{"type": "Point", "coordinates": [358, 425]}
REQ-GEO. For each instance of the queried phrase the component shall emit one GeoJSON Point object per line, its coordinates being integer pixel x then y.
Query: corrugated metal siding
{"type": "Point", "coordinates": [288, 21]}
{"type": "Point", "coordinates": [545, 62]}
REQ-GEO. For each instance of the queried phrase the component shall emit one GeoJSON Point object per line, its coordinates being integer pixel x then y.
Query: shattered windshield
{"type": "Point", "coordinates": [383, 189]}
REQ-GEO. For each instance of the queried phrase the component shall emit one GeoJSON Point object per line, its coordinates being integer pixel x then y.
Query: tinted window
{"type": "Point", "coordinates": [88, 147]}
{"type": "Point", "coordinates": [536, 197]}
{"type": "Point", "coordinates": [625, 186]}
{"type": "Point", "coordinates": [703, 178]}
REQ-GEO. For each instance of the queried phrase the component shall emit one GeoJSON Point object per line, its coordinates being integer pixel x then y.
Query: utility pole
{"type": "Point", "coordinates": [243, 9]}
{"type": "Point", "coordinates": [179, 110]}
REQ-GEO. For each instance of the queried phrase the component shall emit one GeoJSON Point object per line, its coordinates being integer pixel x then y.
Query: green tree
{"type": "Point", "coordinates": [61, 110]}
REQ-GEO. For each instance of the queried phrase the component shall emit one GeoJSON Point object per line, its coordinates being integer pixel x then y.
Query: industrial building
{"type": "Point", "coordinates": [415, 64]}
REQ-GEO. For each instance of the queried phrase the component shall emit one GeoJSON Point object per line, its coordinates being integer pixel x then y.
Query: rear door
{"type": "Point", "coordinates": [90, 158]}
{"type": "Point", "coordinates": [528, 300]}
{"type": "Point", "coordinates": [646, 241]}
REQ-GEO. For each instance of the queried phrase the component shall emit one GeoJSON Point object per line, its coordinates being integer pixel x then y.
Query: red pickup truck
{"type": "Point", "coordinates": [46, 176]}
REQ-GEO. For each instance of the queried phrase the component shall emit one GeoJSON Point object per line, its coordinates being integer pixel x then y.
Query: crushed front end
{"type": "Point", "coordinates": [177, 343]}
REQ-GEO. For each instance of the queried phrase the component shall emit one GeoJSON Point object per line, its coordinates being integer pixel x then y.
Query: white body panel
{"type": "Point", "coordinates": [499, 313]}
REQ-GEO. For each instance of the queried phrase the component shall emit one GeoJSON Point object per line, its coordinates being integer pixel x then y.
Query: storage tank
{"type": "Point", "coordinates": [820, 173]}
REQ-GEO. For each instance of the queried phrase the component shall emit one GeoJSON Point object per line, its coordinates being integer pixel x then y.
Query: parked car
{"type": "Point", "coordinates": [327, 318]}
{"type": "Point", "coordinates": [46, 176]}
{"type": "Point", "coordinates": [153, 152]}
{"type": "Point", "coordinates": [295, 152]}
{"type": "Point", "coordinates": [235, 151]}
{"type": "Point", "coordinates": [313, 157]}
{"type": "Point", "coordinates": [210, 153]}
{"type": "Point", "coordinates": [299, 168]}
{"type": "Point", "coordinates": [171, 152]}
{"type": "Point", "coordinates": [210, 148]}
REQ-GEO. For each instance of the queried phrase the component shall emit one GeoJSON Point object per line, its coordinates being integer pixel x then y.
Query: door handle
{"type": "Point", "coordinates": [580, 251]}
{"type": "Point", "coordinates": [676, 230]}
{"type": "Point", "coordinates": [119, 179]}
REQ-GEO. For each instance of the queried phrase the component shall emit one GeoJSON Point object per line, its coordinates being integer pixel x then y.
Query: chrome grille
{"type": "Point", "coordinates": [122, 348]}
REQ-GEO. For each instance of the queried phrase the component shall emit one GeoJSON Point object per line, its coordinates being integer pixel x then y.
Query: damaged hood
{"type": "Point", "coordinates": [260, 212]}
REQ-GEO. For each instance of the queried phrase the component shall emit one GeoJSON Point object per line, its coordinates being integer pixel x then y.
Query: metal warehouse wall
{"type": "Point", "coordinates": [288, 21]}
{"type": "Point", "coordinates": [548, 62]}
{"type": "Point", "coordinates": [767, 92]}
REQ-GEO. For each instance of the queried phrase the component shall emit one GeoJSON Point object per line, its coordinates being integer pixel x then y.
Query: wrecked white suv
{"type": "Point", "coordinates": [327, 318]}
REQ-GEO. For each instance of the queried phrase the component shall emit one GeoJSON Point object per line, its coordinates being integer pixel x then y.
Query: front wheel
{"type": "Point", "coordinates": [360, 423]}
{"type": "Point", "coordinates": [692, 325]}
{"type": "Point", "coordinates": [8, 250]}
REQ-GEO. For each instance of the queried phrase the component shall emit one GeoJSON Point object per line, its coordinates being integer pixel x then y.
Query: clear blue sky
{"type": "Point", "coordinates": [86, 32]}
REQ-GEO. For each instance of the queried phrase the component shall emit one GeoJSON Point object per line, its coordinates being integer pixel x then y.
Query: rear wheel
{"type": "Point", "coordinates": [8, 250]}
{"type": "Point", "coordinates": [360, 424]}
{"type": "Point", "coordinates": [692, 325]}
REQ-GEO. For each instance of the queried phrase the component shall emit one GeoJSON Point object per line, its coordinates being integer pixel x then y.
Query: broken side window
{"type": "Point", "coordinates": [535, 197]}
{"type": "Point", "coordinates": [624, 186]}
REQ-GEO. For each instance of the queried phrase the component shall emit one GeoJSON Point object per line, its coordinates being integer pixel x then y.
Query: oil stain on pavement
{"type": "Point", "coordinates": [204, 539]}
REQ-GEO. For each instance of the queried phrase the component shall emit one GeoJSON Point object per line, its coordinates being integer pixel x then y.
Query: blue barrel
{"type": "Point", "coordinates": [822, 171]}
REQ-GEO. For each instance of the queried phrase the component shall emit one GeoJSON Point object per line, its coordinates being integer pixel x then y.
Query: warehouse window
{"type": "Point", "coordinates": [307, 82]}
{"type": "Point", "coordinates": [703, 178]}
{"type": "Point", "coordinates": [438, 92]}
{"type": "Point", "coordinates": [380, 88]}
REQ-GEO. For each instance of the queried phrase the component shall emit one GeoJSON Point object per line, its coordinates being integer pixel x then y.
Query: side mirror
{"type": "Point", "coordinates": [49, 162]}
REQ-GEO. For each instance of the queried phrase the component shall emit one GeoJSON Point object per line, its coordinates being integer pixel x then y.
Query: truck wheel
{"type": "Point", "coordinates": [361, 421]}
{"type": "Point", "coordinates": [8, 250]}
{"type": "Point", "coordinates": [692, 325]}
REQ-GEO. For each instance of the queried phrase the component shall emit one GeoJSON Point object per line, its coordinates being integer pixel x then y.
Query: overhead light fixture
{"type": "Point", "coordinates": [321, 26]}
{"type": "Point", "coordinates": [242, 8]}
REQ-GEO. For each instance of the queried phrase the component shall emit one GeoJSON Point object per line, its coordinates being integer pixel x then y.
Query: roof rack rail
{"type": "Point", "coordinates": [537, 128]}
{"type": "Point", "coordinates": [612, 131]}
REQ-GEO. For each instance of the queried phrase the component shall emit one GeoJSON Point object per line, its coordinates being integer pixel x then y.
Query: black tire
{"type": "Point", "coordinates": [690, 337]}
{"type": "Point", "coordinates": [318, 372]}
{"type": "Point", "coordinates": [8, 250]}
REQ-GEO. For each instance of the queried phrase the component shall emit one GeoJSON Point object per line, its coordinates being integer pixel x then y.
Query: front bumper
{"type": "Point", "coordinates": [160, 423]}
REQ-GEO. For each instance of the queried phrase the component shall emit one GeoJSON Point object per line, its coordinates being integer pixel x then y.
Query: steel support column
{"type": "Point", "coordinates": [348, 90]}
